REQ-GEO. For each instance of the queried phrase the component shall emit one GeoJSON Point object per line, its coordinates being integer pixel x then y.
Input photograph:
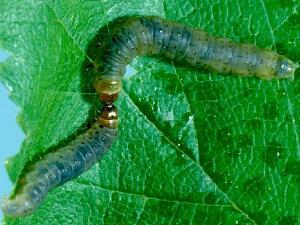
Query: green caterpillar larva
{"type": "Point", "coordinates": [160, 37]}
{"type": "Point", "coordinates": [63, 165]}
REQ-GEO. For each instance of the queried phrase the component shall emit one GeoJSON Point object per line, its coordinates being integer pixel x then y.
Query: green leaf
{"type": "Point", "coordinates": [194, 147]}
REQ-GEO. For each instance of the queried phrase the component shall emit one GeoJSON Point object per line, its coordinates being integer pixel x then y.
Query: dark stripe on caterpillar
{"type": "Point", "coordinates": [63, 165]}
{"type": "Point", "coordinates": [157, 36]}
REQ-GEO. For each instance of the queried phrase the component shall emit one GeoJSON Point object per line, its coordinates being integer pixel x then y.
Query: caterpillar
{"type": "Point", "coordinates": [163, 38]}
{"type": "Point", "coordinates": [140, 36]}
{"type": "Point", "coordinates": [64, 164]}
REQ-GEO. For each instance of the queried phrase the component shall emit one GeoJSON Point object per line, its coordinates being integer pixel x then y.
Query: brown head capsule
{"type": "Point", "coordinates": [108, 117]}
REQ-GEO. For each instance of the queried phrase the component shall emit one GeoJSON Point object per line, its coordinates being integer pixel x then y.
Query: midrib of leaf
{"type": "Point", "coordinates": [143, 196]}
{"type": "Point", "coordinates": [234, 205]}
{"type": "Point", "coordinates": [189, 108]}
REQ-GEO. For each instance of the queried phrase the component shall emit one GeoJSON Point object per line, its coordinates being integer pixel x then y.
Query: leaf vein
{"type": "Point", "coordinates": [68, 32]}
{"type": "Point", "coordinates": [234, 205]}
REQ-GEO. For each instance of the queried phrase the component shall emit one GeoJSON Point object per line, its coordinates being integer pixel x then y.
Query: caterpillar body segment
{"type": "Point", "coordinates": [160, 37]}
{"type": "Point", "coordinates": [61, 166]}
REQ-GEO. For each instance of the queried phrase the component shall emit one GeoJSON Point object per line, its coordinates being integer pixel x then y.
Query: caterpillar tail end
{"type": "Point", "coordinates": [15, 207]}
{"type": "Point", "coordinates": [285, 68]}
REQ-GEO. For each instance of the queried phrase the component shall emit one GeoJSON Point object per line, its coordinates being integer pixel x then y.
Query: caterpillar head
{"type": "Point", "coordinates": [285, 68]}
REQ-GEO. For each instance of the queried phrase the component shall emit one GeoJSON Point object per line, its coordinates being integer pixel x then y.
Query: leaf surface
{"type": "Point", "coordinates": [194, 148]}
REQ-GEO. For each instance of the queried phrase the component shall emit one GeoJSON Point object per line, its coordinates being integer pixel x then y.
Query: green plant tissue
{"type": "Point", "coordinates": [194, 147]}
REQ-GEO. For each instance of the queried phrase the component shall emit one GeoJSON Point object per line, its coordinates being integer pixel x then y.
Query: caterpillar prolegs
{"type": "Point", "coordinates": [140, 36]}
